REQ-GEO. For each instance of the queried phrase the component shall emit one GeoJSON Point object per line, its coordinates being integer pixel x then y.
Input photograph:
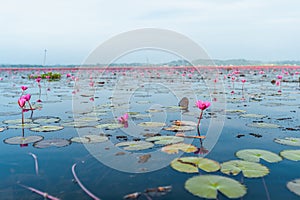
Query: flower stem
{"type": "Point", "coordinates": [22, 116]}
{"type": "Point", "coordinates": [198, 124]}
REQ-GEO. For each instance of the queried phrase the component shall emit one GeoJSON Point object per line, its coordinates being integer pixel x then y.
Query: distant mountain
{"type": "Point", "coordinates": [205, 62]}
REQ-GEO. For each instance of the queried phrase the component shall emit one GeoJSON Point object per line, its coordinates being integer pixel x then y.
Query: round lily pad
{"type": "Point", "coordinates": [294, 186]}
{"type": "Point", "coordinates": [174, 148]}
{"type": "Point", "coordinates": [175, 128]}
{"type": "Point", "coordinates": [152, 124]}
{"type": "Point", "coordinates": [263, 125]}
{"type": "Point", "coordinates": [291, 154]}
{"type": "Point", "coordinates": [164, 140]}
{"type": "Point", "coordinates": [75, 124]}
{"type": "Point", "coordinates": [110, 126]}
{"type": "Point", "coordinates": [249, 169]}
{"type": "Point", "coordinates": [288, 141]}
{"type": "Point", "coordinates": [254, 155]}
{"type": "Point", "coordinates": [135, 145]}
{"type": "Point", "coordinates": [23, 140]}
{"type": "Point", "coordinates": [184, 123]}
{"type": "Point", "coordinates": [253, 116]}
{"type": "Point", "coordinates": [46, 128]}
{"type": "Point", "coordinates": [25, 125]}
{"type": "Point", "coordinates": [57, 142]}
{"type": "Point", "coordinates": [234, 111]}
{"type": "Point", "coordinates": [208, 186]}
{"type": "Point", "coordinates": [17, 121]}
{"type": "Point", "coordinates": [90, 139]}
{"type": "Point", "coordinates": [192, 164]}
{"type": "Point", "coordinates": [46, 120]}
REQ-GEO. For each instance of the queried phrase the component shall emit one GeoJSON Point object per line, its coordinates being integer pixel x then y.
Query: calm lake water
{"type": "Point", "coordinates": [98, 97]}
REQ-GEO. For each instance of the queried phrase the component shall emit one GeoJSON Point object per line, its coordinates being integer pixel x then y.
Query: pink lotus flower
{"type": "Point", "coordinates": [26, 97]}
{"type": "Point", "coordinates": [38, 80]}
{"type": "Point", "coordinates": [47, 77]}
{"type": "Point", "coordinates": [123, 119]}
{"type": "Point", "coordinates": [21, 102]}
{"type": "Point", "coordinates": [261, 72]}
{"type": "Point", "coordinates": [278, 83]}
{"type": "Point", "coordinates": [202, 105]}
{"type": "Point", "coordinates": [279, 77]}
{"type": "Point", "coordinates": [23, 87]}
{"type": "Point", "coordinates": [68, 75]}
{"type": "Point", "coordinates": [243, 80]}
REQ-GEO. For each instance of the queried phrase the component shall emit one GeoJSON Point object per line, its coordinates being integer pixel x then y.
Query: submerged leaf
{"type": "Point", "coordinates": [294, 186]}
{"type": "Point", "coordinates": [249, 169]}
{"type": "Point", "coordinates": [135, 145]}
{"type": "Point", "coordinates": [291, 154]}
{"type": "Point", "coordinates": [288, 141]}
{"type": "Point", "coordinates": [174, 148]}
{"type": "Point", "coordinates": [192, 164]}
{"type": "Point", "coordinates": [207, 186]}
{"type": "Point", "coordinates": [254, 155]}
{"type": "Point", "coordinates": [165, 139]}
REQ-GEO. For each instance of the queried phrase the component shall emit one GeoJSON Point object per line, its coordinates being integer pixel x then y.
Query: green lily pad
{"type": "Point", "coordinates": [263, 125]}
{"type": "Point", "coordinates": [192, 164]}
{"type": "Point", "coordinates": [46, 128]}
{"type": "Point", "coordinates": [154, 110]}
{"type": "Point", "coordinates": [135, 145]}
{"type": "Point", "coordinates": [17, 121]}
{"type": "Point", "coordinates": [249, 169]}
{"type": "Point", "coordinates": [234, 111]}
{"type": "Point", "coordinates": [90, 139]}
{"type": "Point", "coordinates": [46, 120]}
{"type": "Point", "coordinates": [294, 186]}
{"type": "Point", "coordinates": [253, 116]}
{"type": "Point", "coordinates": [254, 155]}
{"type": "Point", "coordinates": [288, 141]}
{"type": "Point", "coordinates": [208, 186]}
{"type": "Point", "coordinates": [291, 154]}
{"type": "Point", "coordinates": [75, 124]}
{"type": "Point", "coordinates": [175, 128]}
{"type": "Point", "coordinates": [57, 142]}
{"type": "Point", "coordinates": [184, 123]}
{"type": "Point", "coordinates": [23, 140]}
{"type": "Point", "coordinates": [164, 140]}
{"type": "Point", "coordinates": [174, 148]}
{"type": "Point", "coordinates": [110, 126]}
{"type": "Point", "coordinates": [25, 125]}
{"type": "Point", "coordinates": [152, 124]}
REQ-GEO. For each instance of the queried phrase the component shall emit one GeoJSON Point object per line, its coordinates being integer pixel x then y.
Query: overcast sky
{"type": "Point", "coordinates": [71, 29]}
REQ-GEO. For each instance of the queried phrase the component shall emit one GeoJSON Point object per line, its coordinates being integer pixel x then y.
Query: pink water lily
{"type": "Point", "coordinates": [243, 80]}
{"type": "Point", "coordinates": [202, 105]}
{"type": "Point", "coordinates": [22, 102]}
{"type": "Point", "coordinates": [38, 79]}
{"type": "Point", "coordinates": [23, 87]}
{"type": "Point", "coordinates": [27, 97]}
{"type": "Point", "coordinates": [279, 76]}
{"type": "Point", "coordinates": [123, 119]}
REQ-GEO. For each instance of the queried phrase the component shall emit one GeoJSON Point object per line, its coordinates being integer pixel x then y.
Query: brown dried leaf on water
{"type": "Point", "coordinates": [144, 158]}
{"type": "Point", "coordinates": [132, 195]}
{"type": "Point", "coordinates": [159, 191]}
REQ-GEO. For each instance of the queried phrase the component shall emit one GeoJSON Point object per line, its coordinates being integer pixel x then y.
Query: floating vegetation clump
{"type": "Point", "coordinates": [49, 75]}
